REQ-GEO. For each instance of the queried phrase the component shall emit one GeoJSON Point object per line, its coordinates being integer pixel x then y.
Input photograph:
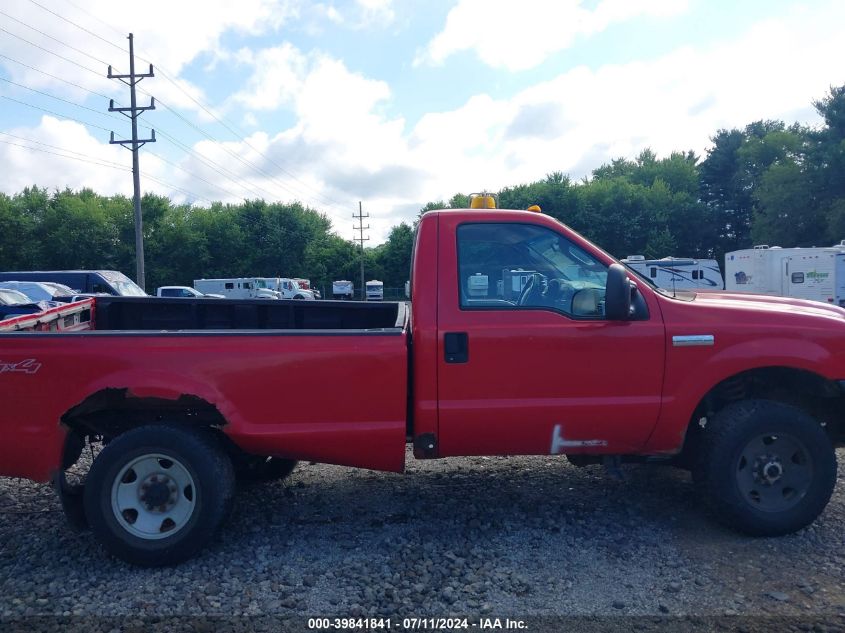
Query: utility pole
{"type": "Point", "coordinates": [135, 144]}
{"type": "Point", "coordinates": [361, 228]}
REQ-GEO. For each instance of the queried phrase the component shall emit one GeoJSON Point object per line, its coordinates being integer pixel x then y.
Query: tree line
{"type": "Point", "coordinates": [767, 183]}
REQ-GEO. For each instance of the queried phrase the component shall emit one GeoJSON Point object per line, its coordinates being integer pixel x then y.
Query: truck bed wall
{"type": "Point", "coordinates": [142, 313]}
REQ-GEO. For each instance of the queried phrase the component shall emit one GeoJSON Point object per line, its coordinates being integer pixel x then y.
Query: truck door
{"type": "Point", "coordinates": [539, 370]}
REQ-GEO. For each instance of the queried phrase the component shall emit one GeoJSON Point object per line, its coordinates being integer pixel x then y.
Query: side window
{"type": "Point", "coordinates": [229, 285]}
{"type": "Point", "coordinates": [798, 278]}
{"type": "Point", "coordinates": [512, 266]}
{"type": "Point", "coordinates": [248, 286]}
{"type": "Point", "coordinates": [653, 272]}
{"type": "Point", "coordinates": [101, 288]}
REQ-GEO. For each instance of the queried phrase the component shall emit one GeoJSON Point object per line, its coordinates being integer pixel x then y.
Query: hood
{"type": "Point", "coordinates": [765, 303]}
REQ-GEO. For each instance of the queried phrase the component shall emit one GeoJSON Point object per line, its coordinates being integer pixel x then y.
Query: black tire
{"type": "Point", "coordinates": [188, 467]}
{"type": "Point", "coordinates": [264, 469]}
{"type": "Point", "coordinates": [765, 468]}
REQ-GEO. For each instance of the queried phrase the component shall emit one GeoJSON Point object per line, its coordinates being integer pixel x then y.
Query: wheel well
{"type": "Point", "coordinates": [111, 412]}
{"type": "Point", "coordinates": [820, 397]}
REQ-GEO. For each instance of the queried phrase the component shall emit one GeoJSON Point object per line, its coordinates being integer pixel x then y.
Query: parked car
{"type": "Point", "coordinates": [9, 297]}
{"type": "Point", "coordinates": [184, 292]}
{"type": "Point", "coordinates": [38, 291]}
{"type": "Point", "coordinates": [92, 282]}
{"type": "Point", "coordinates": [14, 302]}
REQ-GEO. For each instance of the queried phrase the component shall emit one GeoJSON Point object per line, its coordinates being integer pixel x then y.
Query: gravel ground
{"type": "Point", "coordinates": [528, 536]}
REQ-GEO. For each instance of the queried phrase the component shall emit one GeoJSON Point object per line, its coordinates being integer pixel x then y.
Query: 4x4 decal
{"type": "Point", "coordinates": [28, 366]}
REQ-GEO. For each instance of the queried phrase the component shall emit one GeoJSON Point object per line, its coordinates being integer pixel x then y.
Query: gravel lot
{"type": "Point", "coordinates": [475, 536]}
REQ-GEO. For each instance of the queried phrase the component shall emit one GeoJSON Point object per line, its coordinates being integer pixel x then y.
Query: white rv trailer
{"type": "Point", "coordinates": [678, 273]}
{"type": "Point", "coordinates": [343, 289]}
{"type": "Point", "coordinates": [816, 273]}
{"type": "Point", "coordinates": [375, 290]}
{"type": "Point", "coordinates": [237, 288]}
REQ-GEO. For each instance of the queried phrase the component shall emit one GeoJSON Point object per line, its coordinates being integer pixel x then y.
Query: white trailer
{"type": "Point", "coordinates": [343, 289]}
{"type": "Point", "coordinates": [237, 288]}
{"type": "Point", "coordinates": [816, 273]}
{"type": "Point", "coordinates": [678, 273]}
{"type": "Point", "coordinates": [375, 290]}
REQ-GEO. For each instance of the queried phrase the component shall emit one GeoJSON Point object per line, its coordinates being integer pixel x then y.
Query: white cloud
{"type": "Point", "coordinates": [341, 145]}
{"type": "Point", "coordinates": [584, 117]}
{"type": "Point", "coordinates": [520, 35]}
{"type": "Point", "coordinates": [166, 32]}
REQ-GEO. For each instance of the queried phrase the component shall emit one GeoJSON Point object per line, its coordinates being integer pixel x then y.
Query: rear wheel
{"type": "Point", "coordinates": [765, 468]}
{"type": "Point", "coordinates": [157, 494]}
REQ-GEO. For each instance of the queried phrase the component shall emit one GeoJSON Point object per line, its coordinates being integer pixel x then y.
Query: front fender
{"type": "Point", "coordinates": [693, 372]}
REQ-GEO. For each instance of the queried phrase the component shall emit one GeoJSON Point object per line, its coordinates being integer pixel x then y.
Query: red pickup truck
{"type": "Point", "coordinates": [523, 338]}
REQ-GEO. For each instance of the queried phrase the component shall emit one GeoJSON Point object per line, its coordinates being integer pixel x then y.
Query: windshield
{"type": "Point", "coordinates": [125, 287]}
{"type": "Point", "coordinates": [13, 298]}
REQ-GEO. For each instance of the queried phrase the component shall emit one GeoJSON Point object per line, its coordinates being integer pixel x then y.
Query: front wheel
{"type": "Point", "coordinates": [157, 494]}
{"type": "Point", "coordinates": [765, 468]}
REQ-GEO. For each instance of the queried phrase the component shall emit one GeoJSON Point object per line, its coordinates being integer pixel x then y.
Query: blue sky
{"type": "Point", "coordinates": [394, 102]}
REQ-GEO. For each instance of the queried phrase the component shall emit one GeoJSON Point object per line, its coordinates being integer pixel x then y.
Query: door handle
{"type": "Point", "coordinates": [456, 347]}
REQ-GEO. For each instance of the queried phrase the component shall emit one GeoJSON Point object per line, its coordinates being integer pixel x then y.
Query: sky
{"type": "Point", "coordinates": [393, 103]}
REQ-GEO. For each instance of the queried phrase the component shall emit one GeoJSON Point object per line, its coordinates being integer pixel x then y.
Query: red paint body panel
{"type": "Point", "coordinates": [337, 399]}
{"type": "Point", "coordinates": [750, 332]}
{"type": "Point", "coordinates": [532, 370]}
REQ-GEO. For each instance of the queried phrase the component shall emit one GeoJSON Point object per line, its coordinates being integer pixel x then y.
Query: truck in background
{"type": "Point", "coordinates": [375, 290]}
{"type": "Point", "coordinates": [237, 288]}
{"type": "Point", "coordinates": [183, 292]}
{"type": "Point", "coordinates": [305, 284]}
{"type": "Point", "coordinates": [678, 273]}
{"type": "Point", "coordinates": [287, 288]}
{"type": "Point", "coordinates": [112, 282]}
{"type": "Point", "coordinates": [343, 289]}
{"type": "Point", "coordinates": [816, 273]}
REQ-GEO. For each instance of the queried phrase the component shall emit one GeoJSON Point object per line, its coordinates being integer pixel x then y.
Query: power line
{"type": "Point", "coordinates": [56, 77]}
{"type": "Point", "coordinates": [234, 155]}
{"type": "Point", "coordinates": [193, 175]}
{"type": "Point", "coordinates": [84, 160]}
{"type": "Point", "coordinates": [78, 50]}
{"type": "Point", "coordinates": [47, 94]}
{"type": "Point", "coordinates": [216, 167]}
{"type": "Point", "coordinates": [47, 50]}
{"type": "Point", "coordinates": [175, 141]}
{"type": "Point", "coordinates": [240, 137]}
{"type": "Point", "coordinates": [61, 17]}
{"type": "Point", "coordinates": [61, 116]}
{"type": "Point", "coordinates": [62, 149]}
{"type": "Point", "coordinates": [230, 128]}
{"type": "Point", "coordinates": [172, 139]}
{"type": "Point", "coordinates": [172, 186]}
{"type": "Point", "coordinates": [95, 161]}
{"type": "Point", "coordinates": [91, 15]}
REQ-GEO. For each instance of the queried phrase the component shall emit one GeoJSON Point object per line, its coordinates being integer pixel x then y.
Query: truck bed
{"type": "Point", "coordinates": [283, 377]}
{"type": "Point", "coordinates": [145, 313]}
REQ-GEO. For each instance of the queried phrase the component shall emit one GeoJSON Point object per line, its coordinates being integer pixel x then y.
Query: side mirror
{"type": "Point", "coordinates": [617, 298]}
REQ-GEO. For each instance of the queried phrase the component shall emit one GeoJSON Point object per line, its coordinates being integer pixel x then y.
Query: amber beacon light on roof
{"type": "Point", "coordinates": [485, 200]}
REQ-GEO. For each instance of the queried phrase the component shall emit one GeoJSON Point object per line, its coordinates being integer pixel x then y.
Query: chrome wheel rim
{"type": "Point", "coordinates": [153, 496]}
